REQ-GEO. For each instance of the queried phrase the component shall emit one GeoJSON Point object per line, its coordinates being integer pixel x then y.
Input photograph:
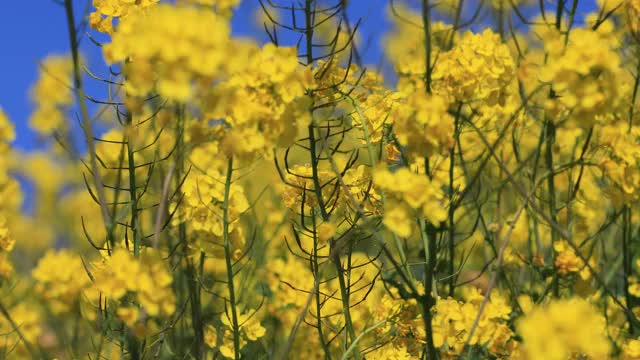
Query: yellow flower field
{"type": "Point", "coordinates": [231, 199]}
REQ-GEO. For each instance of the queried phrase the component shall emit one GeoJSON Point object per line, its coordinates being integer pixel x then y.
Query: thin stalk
{"type": "Point", "coordinates": [314, 170]}
{"type": "Point", "coordinates": [227, 257]}
{"type": "Point", "coordinates": [308, 12]}
{"type": "Point", "coordinates": [344, 291]}
{"type": "Point", "coordinates": [192, 282]}
{"type": "Point", "coordinates": [501, 19]}
{"type": "Point", "coordinates": [325, 217]}
{"type": "Point", "coordinates": [132, 193]}
{"type": "Point", "coordinates": [429, 245]}
{"type": "Point", "coordinates": [344, 294]}
{"type": "Point", "coordinates": [325, 348]}
{"type": "Point", "coordinates": [494, 275]}
{"type": "Point", "coordinates": [426, 22]}
{"type": "Point", "coordinates": [572, 16]}
{"type": "Point", "coordinates": [84, 115]}
{"type": "Point", "coordinates": [551, 131]}
{"type": "Point", "coordinates": [559, 10]}
{"type": "Point", "coordinates": [626, 262]}
{"type": "Point", "coordinates": [428, 235]}
{"type": "Point", "coordinates": [452, 209]}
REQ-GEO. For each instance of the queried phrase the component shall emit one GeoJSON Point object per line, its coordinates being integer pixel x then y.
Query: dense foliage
{"type": "Point", "coordinates": [226, 199]}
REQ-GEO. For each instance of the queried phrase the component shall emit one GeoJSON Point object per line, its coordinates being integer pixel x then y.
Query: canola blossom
{"type": "Point", "coordinates": [278, 197]}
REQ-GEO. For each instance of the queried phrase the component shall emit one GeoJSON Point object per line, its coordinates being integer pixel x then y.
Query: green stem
{"type": "Point", "coordinates": [325, 348]}
{"type": "Point", "coordinates": [133, 194]}
{"type": "Point", "coordinates": [428, 235]}
{"type": "Point", "coordinates": [559, 10]}
{"type": "Point", "coordinates": [227, 256]}
{"type": "Point", "coordinates": [344, 294]}
{"type": "Point", "coordinates": [626, 262]}
{"type": "Point", "coordinates": [317, 187]}
{"type": "Point", "coordinates": [308, 12]}
{"type": "Point", "coordinates": [550, 138]}
{"type": "Point", "coordinates": [452, 209]}
{"type": "Point", "coordinates": [192, 282]}
{"type": "Point", "coordinates": [572, 16]}
{"type": "Point", "coordinates": [84, 114]}
{"type": "Point", "coordinates": [426, 22]}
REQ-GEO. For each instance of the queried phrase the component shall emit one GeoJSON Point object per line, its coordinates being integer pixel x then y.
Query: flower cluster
{"type": "Point", "coordinates": [578, 330]}
{"type": "Point", "coordinates": [226, 197]}
{"type": "Point", "coordinates": [410, 194]}
{"type": "Point", "coordinates": [585, 78]}
{"type": "Point", "coordinates": [106, 10]}
{"type": "Point", "coordinates": [249, 327]}
{"type": "Point", "coordinates": [146, 278]}
{"type": "Point", "coordinates": [60, 280]}
{"type": "Point", "coordinates": [29, 320]}
{"type": "Point", "coordinates": [300, 177]}
{"type": "Point", "coordinates": [8, 194]}
{"type": "Point", "coordinates": [423, 125]}
{"type": "Point", "coordinates": [169, 49]}
{"type": "Point", "coordinates": [52, 95]}
{"type": "Point", "coordinates": [478, 68]}
{"type": "Point", "coordinates": [203, 202]}
{"type": "Point", "coordinates": [454, 321]}
{"type": "Point", "coordinates": [262, 102]}
{"type": "Point", "coordinates": [622, 166]}
{"type": "Point", "coordinates": [567, 261]}
{"type": "Point", "coordinates": [374, 111]}
{"type": "Point", "coordinates": [405, 46]}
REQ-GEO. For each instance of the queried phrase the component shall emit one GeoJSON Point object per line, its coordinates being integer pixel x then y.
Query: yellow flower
{"type": "Point", "coordinates": [563, 328]}
{"type": "Point", "coordinates": [128, 315]}
{"type": "Point", "coordinates": [60, 279]}
{"type": "Point", "coordinates": [249, 327]}
{"type": "Point", "coordinates": [27, 317]}
{"type": "Point", "coordinates": [263, 101]}
{"type": "Point", "coordinates": [102, 18]}
{"type": "Point", "coordinates": [52, 94]}
{"type": "Point", "coordinates": [631, 350]}
{"type": "Point", "coordinates": [7, 242]}
{"type": "Point", "coordinates": [227, 350]}
{"type": "Point", "coordinates": [325, 232]}
{"type": "Point", "coordinates": [398, 220]}
{"type": "Point", "coordinates": [478, 68]}
{"type": "Point", "coordinates": [146, 277]}
{"type": "Point", "coordinates": [168, 44]}
{"type": "Point", "coordinates": [567, 261]}
{"type": "Point", "coordinates": [211, 336]}
{"type": "Point", "coordinates": [6, 269]}
{"type": "Point", "coordinates": [408, 190]}
{"type": "Point", "coordinates": [423, 125]}
{"type": "Point", "coordinates": [585, 76]}
{"type": "Point", "coordinates": [7, 131]}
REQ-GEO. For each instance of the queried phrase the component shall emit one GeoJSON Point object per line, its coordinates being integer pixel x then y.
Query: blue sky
{"type": "Point", "coordinates": [31, 29]}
